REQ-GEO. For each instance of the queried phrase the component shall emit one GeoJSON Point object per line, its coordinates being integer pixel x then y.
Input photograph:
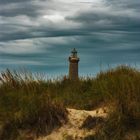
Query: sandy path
{"type": "Point", "coordinates": [71, 130]}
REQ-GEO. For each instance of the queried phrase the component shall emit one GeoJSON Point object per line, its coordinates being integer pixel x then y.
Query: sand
{"type": "Point", "coordinates": [71, 130]}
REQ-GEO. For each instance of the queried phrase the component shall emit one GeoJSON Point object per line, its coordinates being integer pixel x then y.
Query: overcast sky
{"type": "Point", "coordinates": [39, 34]}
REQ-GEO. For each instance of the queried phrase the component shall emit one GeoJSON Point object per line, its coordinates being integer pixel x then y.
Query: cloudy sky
{"type": "Point", "coordinates": [39, 34]}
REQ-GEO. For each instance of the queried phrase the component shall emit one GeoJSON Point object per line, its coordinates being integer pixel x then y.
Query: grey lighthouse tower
{"type": "Point", "coordinates": [73, 65]}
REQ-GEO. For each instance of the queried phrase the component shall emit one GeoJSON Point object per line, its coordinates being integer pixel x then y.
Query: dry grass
{"type": "Point", "coordinates": [25, 105]}
{"type": "Point", "coordinates": [28, 102]}
{"type": "Point", "coordinates": [122, 91]}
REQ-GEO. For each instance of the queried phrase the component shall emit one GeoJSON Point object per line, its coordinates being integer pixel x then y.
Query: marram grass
{"type": "Point", "coordinates": [31, 104]}
{"type": "Point", "coordinates": [25, 106]}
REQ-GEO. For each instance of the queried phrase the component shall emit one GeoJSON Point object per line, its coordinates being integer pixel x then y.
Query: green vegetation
{"type": "Point", "coordinates": [30, 104]}
{"type": "Point", "coordinates": [123, 88]}
{"type": "Point", "coordinates": [25, 107]}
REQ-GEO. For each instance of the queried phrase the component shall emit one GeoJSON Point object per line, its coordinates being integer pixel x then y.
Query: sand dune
{"type": "Point", "coordinates": [71, 130]}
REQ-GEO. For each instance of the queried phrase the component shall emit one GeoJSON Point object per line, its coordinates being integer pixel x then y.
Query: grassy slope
{"type": "Point", "coordinates": [25, 107]}
{"type": "Point", "coordinates": [23, 101]}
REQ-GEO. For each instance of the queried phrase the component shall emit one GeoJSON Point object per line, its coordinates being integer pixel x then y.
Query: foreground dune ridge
{"type": "Point", "coordinates": [71, 130]}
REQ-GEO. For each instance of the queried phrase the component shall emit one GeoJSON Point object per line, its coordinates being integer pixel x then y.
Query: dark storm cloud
{"type": "Point", "coordinates": [23, 10]}
{"type": "Point", "coordinates": [14, 8]}
{"type": "Point", "coordinates": [124, 3]}
{"type": "Point", "coordinates": [11, 1]}
{"type": "Point", "coordinates": [105, 20]}
{"type": "Point", "coordinates": [92, 20]}
{"type": "Point", "coordinates": [40, 33]}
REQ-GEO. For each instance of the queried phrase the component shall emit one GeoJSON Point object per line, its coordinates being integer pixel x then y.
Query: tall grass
{"type": "Point", "coordinates": [30, 103]}
{"type": "Point", "coordinates": [26, 106]}
{"type": "Point", "coordinates": [122, 86]}
{"type": "Point", "coordinates": [81, 94]}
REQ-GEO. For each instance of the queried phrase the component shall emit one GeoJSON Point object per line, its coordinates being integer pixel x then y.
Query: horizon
{"type": "Point", "coordinates": [38, 35]}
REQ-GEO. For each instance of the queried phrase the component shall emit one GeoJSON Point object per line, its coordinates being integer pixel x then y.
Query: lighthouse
{"type": "Point", "coordinates": [73, 65]}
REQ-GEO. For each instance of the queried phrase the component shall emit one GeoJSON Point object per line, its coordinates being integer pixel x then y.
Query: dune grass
{"type": "Point", "coordinates": [25, 106]}
{"type": "Point", "coordinates": [29, 103]}
{"type": "Point", "coordinates": [121, 87]}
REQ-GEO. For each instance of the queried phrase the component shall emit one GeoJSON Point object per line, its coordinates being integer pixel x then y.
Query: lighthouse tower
{"type": "Point", "coordinates": [73, 65]}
